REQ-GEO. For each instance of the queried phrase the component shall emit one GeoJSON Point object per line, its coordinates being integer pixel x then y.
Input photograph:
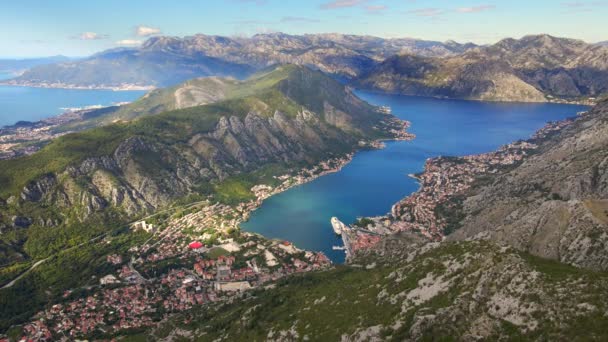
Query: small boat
{"type": "Point", "coordinates": [385, 109]}
{"type": "Point", "coordinates": [338, 248]}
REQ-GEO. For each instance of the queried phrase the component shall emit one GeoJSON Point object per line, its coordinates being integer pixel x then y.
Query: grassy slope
{"type": "Point", "coordinates": [261, 93]}
{"type": "Point", "coordinates": [164, 99]}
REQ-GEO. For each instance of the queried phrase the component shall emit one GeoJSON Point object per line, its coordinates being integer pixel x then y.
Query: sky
{"type": "Point", "coordinates": [30, 28]}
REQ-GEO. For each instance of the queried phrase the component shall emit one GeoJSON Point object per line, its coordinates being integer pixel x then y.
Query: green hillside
{"type": "Point", "coordinates": [286, 117]}
{"type": "Point", "coordinates": [287, 89]}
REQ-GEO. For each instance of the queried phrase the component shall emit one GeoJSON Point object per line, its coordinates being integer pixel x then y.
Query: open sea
{"type": "Point", "coordinates": [375, 180]}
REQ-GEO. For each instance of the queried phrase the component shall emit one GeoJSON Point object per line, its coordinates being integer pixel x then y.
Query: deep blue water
{"type": "Point", "coordinates": [375, 180]}
{"type": "Point", "coordinates": [33, 104]}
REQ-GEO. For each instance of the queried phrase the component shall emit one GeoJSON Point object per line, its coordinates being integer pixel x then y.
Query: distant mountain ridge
{"type": "Point", "coordinates": [163, 61]}
{"type": "Point", "coordinates": [534, 68]}
{"type": "Point", "coordinates": [20, 64]}
{"type": "Point", "coordinates": [531, 69]}
{"type": "Point", "coordinates": [129, 69]}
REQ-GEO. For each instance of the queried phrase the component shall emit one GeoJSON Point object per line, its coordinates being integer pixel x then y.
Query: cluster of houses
{"type": "Point", "coordinates": [17, 140]}
{"type": "Point", "coordinates": [128, 299]}
{"type": "Point", "coordinates": [552, 127]}
{"type": "Point", "coordinates": [134, 295]}
{"type": "Point", "coordinates": [363, 240]}
{"type": "Point", "coordinates": [441, 180]}
{"type": "Point", "coordinates": [398, 128]}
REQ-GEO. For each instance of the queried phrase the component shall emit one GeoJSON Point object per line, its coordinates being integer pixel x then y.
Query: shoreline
{"type": "Point", "coordinates": [443, 179]}
{"type": "Point", "coordinates": [126, 87]}
{"type": "Point", "coordinates": [589, 103]}
{"type": "Point", "coordinates": [376, 144]}
{"type": "Point", "coordinates": [134, 87]}
{"type": "Point", "coordinates": [25, 137]}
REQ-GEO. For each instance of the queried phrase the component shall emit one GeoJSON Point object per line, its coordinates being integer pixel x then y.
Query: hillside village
{"type": "Point", "coordinates": [193, 259]}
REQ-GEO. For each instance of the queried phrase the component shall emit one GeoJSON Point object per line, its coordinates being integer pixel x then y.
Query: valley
{"type": "Point", "coordinates": [163, 244]}
{"type": "Point", "coordinates": [514, 285]}
{"type": "Point", "coordinates": [265, 180]}
{"type": "Point", "coordinates": [80, 198]}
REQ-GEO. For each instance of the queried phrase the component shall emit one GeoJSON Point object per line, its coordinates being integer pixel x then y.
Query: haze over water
{"type": "Point", "coordinates": [375, 180]}
{"type": "Point", "coordinates": [33, 104]}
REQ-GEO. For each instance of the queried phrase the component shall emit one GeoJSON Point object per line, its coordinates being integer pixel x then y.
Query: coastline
{"type": "Point", "coordinates": [43, 129]}
{"type": "Point", "coordinates": [437, 97]}
{"type": "Point", "coordinates": [124, 87]}
{"type": "Point", "coordinates": [308, 175]}
{"type": "Point", "coordinates": [442, 181]}
{"type": "Point", "coordinates": [132, 87]}
{"type": "Point", "coordinates": [25, 138]}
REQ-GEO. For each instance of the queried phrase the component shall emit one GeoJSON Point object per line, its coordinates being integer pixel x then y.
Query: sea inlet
{"type": "Point", "coordinates": [376, 179]}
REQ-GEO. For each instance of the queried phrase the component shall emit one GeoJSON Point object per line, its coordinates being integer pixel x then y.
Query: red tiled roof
{"type": "Point", "coordinates": [195, 245]}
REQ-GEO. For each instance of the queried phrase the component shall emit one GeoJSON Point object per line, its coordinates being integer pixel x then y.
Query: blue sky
{"type": "Point", "coordinates": [78, 28]}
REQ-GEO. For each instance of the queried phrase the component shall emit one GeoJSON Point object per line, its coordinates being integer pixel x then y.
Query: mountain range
{"type": "Point", "coordinates": [17, 65]}
{"type": "Point", "coordinates": [554, 204]}
{"type": "Point", "coordinates": [164, 61]}
{"type": "Point", "coordinates": [525, 256]}
{"type": "Point", "coordinates": [532, 69]}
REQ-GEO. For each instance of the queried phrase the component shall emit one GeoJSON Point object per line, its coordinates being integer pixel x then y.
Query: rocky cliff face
{"type": "Point", "coordinates": [143, 174]}
{"type": "Point", "coordinates": [554, 204]}
{"type": "Point", "coordinates": [532, 69]}
{"type": "Point", "coordinates": [459, 77]}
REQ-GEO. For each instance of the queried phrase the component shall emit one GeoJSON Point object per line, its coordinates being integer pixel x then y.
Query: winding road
{"type": "Point", "coordinates": [40, 262]}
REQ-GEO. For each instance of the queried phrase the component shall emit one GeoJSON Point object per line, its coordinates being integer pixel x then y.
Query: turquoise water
{"type": "Point", "coordinates": [33, 104]}
{"type": "Point", "coordinates": [375, 180]}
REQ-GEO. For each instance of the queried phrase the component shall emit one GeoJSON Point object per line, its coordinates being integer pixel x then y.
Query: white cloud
{"type": "Point", "coordinates": [475, 9]}
{"type": "Point", "coordinates": [375, 9]}
{"type": "Point", "coordinates": [144, 31]}
{"type": "Point", "coordinates": [342, 4]}
{"type": "Point", "coordinates": [427, 12]}
{"type": "Point", "coordinates": [129, 42]}
{"type": "Point", "coordinates": [90, 36]}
